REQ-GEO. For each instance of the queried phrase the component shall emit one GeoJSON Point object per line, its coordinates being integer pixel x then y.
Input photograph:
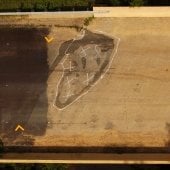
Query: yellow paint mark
{"type": "Point", "coordinates": [19, 127]}
{"type": "Point", "coordinates": [49, 39]}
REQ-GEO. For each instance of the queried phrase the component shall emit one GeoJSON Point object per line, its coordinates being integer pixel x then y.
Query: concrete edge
{"type": "Point", "coordinates": [82, 158]}
{"type": "Point", "coordinates": [73, 14]}
{"type": "Point", "coordinates": [131, 11]}
{"type": "Point", "coordinates": [99, 12]}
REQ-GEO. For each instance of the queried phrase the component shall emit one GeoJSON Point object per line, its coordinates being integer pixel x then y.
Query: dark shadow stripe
{"type": "Point", "coordinates": [62, 149]}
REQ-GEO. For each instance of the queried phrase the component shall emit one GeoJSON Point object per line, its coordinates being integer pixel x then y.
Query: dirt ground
{"type": "Point", "coordinates": [129, 106]}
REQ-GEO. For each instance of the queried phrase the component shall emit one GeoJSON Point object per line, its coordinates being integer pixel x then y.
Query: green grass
{"type": "Point", "coordinates": [88, 20]}
{"type": "Point", "coordinates": [39, 5]}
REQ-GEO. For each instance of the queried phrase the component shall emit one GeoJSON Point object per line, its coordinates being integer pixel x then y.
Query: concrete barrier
{"type": "Point", "coordinates": [72, 14]}
{"type": "Point", "coordinates": [99, 12]}
{"type": "Point", "coordinates": [86, 158]}
{"type": "Point", "coordinates": [131, 11]}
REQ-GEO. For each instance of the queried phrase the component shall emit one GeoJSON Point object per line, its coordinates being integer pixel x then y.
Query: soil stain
{"type": "Point", "coordinates": [97, 44]}
{"type": "Point", "coordinates": [23, 82]}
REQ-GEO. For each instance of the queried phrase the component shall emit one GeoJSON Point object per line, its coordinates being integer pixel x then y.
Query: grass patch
{"type": "Point", "coordinates": [40, 5]}
{"type": "Point", "coordinates": [88, 20]}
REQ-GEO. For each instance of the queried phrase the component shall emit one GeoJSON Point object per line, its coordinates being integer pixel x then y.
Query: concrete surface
{"type": "Point", "coordinates": [131, 11]}
{"type": "Point", "coordinates": [82, 158]}
{"type": "Point", "coordinates": [129, 107]}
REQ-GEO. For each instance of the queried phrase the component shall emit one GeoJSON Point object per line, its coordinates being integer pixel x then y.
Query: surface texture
{"type": "Point", "coordinates": [129, 106]}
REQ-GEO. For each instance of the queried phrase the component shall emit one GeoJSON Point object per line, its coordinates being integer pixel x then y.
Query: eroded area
{"type": "Point", "coordinates": [85, 61]}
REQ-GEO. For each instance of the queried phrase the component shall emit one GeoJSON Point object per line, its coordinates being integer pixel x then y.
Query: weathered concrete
{"type": "Point", "coordinates": [131, 11]}
{"type": "Point", "coordinates": [129, 107]}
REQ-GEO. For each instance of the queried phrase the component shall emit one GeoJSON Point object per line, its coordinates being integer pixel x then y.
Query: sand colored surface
{"type": "Point", "coordinates": [129, 106]}
{"type": "Point", "coordinates": [131, 11]}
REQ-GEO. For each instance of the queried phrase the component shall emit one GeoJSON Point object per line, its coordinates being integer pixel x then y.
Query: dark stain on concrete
{"type": "Point", "coordinates": [23, 79]}
{"type": "Point", "coordinates": [104, 44]}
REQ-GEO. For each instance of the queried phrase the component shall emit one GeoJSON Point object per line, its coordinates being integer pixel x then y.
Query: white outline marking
{"type": "Point", "coordinates": [83, 50]}
{"type": "Point", "coordinates": [97, 51]}
{"type": "Point", "coordinates": [68, 81]}
{"type": "Point", "coordinates": [80, 36]}
{"type": "Point", "coordinates": [68, 95]}
{"type": "Point", "coordinates": [110, 63]}
{"type": "Point", "coordinates": [58, 54]}
{"type": "Point", "coordinates": [62, 63]}
{"type": "Point", "coordinates": [88, 78]}
{"type": "Point", "coordinates": [71, 66]}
